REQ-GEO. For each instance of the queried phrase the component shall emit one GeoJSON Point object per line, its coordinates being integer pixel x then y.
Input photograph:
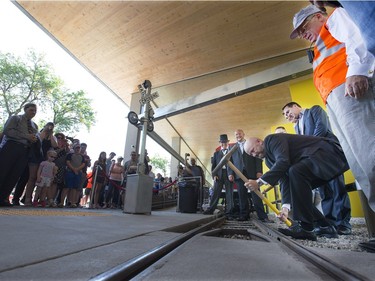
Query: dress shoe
{"type": "Point", "coordinates": [368, 246]}
{"type": "Point", "coordinates": [267, 220]}
{"type": "Point", "coordinates": [297, 232]}
{"type": "Point", "coordinates": [208, 212]}
{"type": "Point", "coordinates": [343, 230]}
{"type": "Point", "coordinates": [243, 218]}
{"type": "Point", "coordinates": [326, 231]}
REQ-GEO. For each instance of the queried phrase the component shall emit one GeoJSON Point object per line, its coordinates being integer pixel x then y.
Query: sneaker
{"type": "Point", "coordinates": [296, 231]}
{"type": "Point", "coordinates": [326, 231]}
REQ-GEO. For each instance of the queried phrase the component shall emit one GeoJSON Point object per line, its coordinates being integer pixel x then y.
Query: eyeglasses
{"type": "Point", "coordinates": [302, 30]}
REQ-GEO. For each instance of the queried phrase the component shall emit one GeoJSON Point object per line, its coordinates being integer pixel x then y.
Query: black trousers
{"type": "Point", "coordinates": [13, 160]}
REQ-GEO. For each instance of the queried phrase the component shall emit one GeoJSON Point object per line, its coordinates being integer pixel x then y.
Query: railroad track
{"type": "Point", "coordinates": [151, 262]}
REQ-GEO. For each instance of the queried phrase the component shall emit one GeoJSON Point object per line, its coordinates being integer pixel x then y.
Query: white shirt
{"type": "Point", "coordinates": [343, 29]}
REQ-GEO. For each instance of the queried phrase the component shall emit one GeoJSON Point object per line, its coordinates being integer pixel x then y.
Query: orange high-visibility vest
{"type": "Point", "coordinates": [329, 63]}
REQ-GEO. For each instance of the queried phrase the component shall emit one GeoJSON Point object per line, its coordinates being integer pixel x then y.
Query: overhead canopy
{"type": "Point", "coordinates": [217, 65]}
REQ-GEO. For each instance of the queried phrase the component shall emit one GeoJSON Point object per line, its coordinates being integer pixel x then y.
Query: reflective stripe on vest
{"type": "Point", "coordinates": [329, 63]}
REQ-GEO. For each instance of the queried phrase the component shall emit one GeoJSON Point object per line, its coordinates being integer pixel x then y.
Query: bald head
{"type": "Point", "coordinates": [254, 147]}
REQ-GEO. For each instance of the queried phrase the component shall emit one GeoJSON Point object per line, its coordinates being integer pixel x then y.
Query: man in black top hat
{"type": "Point", "coordinates": [221, 179]}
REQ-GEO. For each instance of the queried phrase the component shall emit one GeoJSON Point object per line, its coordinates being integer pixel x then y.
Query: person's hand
{"type": "Point", "coordinates": [283, 215]}
{"type": "Point", "coordinates": [251, 185]}
{"type": "Point", "coordinates": [32, 138]}
{"type": "Point", "coordinates": [231, 178]}
{"type": "Point", "coordinates": [216, 178]}
{"type": "Point", "coordinates": [356, 86]}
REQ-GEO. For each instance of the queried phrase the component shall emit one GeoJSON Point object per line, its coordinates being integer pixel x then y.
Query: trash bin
{"type": "Point", "coordinates": [187, 196]}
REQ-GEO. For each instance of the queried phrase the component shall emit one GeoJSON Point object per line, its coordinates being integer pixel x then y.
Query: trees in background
{"type": "Point", "coordinates": [31, 79]}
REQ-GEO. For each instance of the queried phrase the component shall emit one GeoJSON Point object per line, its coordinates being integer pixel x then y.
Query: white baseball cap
{"type": "Point", "coordinates": [300, 17]}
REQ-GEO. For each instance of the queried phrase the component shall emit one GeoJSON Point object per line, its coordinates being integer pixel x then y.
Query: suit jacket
{"type": "Point", "coordinates": [247, 164]}
{"type": "Point", "coordinates": [215, 160]}
{"type": "Point", "coordinates": [316, 123]}
{"type": "Point", "coordinates": [284, 150]}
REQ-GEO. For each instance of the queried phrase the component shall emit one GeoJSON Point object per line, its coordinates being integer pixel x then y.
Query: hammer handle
{"type": "Point", "coordinates": [265, 200]}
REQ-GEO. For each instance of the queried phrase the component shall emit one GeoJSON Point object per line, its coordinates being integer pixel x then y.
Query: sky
{"type": "Point", "coordinates": [19, 34]}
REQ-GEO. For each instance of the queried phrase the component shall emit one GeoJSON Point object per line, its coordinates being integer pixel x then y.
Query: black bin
{"type": "Point", "coordinates": [187, 196]}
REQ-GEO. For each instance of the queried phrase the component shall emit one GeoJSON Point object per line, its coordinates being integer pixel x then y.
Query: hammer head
{"type": "Point", "coordinates": [225, 159]}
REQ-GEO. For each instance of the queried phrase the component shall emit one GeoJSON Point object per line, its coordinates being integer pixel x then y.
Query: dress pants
{"type": "Point", "coordinates": [218, 186]}
{"type": "Point", "coordinates": [336, 202]}
{"type": "Point", "coordinates": [13, 160]}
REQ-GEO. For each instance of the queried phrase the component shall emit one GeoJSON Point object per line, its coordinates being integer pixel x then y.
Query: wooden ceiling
{"type": "Point", "coordinates": [184, 48]}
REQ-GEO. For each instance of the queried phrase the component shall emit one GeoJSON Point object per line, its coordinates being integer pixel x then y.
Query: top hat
{"type": "Point", "coordinates": [223, 138]}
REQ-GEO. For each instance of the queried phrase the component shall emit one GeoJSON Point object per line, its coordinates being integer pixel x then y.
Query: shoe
{"type": "Point", "coordinates": [35, 204]}
{"type": "Point", "coordinates": [60, 205]}
{"type": "Point", "coordinates": [73, 206]}
{"type": "Point", "coordinates": [326, 231]}
{"type": "Point", "coordinates": [343, 230]}
{"type": "Point", "coordinates": [267, 220]}
{"type": "Point", "coordinates": [368, 246]}
{"type": "Point", "coordinates": [208, 212]}
{"type": "Point", "coordinates": [43, 204]}
{"type": "Point", "coordinates": [243, 218]}
{"type": "Point", "coordinates": [296, 231]}
{"type": "Point", "coordinates": [229, 217]}
{"type": "Point", "coordinates": [16, 202]}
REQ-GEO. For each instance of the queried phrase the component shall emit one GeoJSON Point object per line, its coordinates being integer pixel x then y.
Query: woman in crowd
{"type": "Point", "coordinates": [38, 151]}
{"type": "Point", "coordinates": [99, 178]}
{"type": "Point", "coordinates": [116, 174]}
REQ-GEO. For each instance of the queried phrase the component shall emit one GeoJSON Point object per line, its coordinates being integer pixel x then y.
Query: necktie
{"type": "Point", "coordinates": [224, 151]}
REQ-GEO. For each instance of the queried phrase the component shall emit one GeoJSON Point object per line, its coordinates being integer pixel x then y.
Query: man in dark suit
{"type": "Point", "coordinates": [301, 163]}
{"type": "Point", "coordinates": [252, 169]}
{"type": "Point", "coordinates": [335, 199]}
{"type": "Point", "coordinates": [221, 179]}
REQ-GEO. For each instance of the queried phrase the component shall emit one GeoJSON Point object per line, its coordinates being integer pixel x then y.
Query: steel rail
{"type": "Point", "coordinates": [336, 270]}
{"type": "Point", "coordinates": [135, 265]}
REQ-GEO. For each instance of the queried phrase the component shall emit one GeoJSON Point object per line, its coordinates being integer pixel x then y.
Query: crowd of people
{"type": "Point", "coordinates": [42, 168]}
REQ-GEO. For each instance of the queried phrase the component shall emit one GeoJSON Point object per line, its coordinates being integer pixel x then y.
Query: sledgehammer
{"type": "Point", "coordinates": [226, 161]}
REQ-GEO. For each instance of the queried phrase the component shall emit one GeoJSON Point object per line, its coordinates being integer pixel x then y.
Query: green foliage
{"type": "Point", "coordinates": [23, 81]}
{"type": "Point", "coordinates": [32, 80]}
{"type": "Point", "coordinates": [160, 163]}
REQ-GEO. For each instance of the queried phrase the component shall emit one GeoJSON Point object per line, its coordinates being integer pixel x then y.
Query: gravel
{"type": "Point", "coordinates": [343, 242]}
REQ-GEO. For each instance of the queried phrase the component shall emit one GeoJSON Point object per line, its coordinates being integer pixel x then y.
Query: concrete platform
{"type": "Point", "coordinates": [77, 244]}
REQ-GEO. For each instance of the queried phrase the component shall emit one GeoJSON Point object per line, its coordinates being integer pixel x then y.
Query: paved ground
{"type": "Point", "coordinates": [78, 244]}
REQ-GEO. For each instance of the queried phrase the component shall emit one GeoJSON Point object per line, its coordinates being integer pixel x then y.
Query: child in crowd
{"type": "Point", "coordinates": [46, 172]}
